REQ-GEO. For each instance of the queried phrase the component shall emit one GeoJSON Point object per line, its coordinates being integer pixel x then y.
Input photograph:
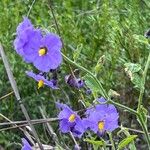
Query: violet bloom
{"type": "Point", "coordinates": [25, 24]}
{"type": "Point", "coordinates": [70, 121]}
{"type": "Point", "coordinates": [27, 37]}
{"type": "Point", "coordinates": [104, 117]}
{"type": "Point", "coordinates": [42, 81]}
{"type": "Point", "coordinates": [74, 82]}
{"type": "Point", "coordinates": [48, 55]}
{"type": "Point", "coordinates": [43, 51]}
{"type": "Point", "coordinates": [26, 145]}
{"type": "Point", "coordinates": [26, 41]}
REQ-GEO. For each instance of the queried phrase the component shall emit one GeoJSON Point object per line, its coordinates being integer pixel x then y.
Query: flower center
{"type": "Point", "coordinates": [72, 118]}
{"type": "Point", "coordinates": [42, 51]}
{"type": "Point", "coordinates": [40, 84]}
{"type": "Point", "coordinates": [101, 125]}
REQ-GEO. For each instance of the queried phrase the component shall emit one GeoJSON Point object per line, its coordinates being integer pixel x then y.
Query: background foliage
{"type": "Point", "coordinates": [90, 29]}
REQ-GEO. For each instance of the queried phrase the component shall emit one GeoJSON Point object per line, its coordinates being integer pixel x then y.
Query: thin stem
{"type": "Point", "coordinates": [103, 92]}
{"type": "Point", "coordinates": [112, 142]}
{"type": "Point", "coordinates": [49, 128]}
{"type": "Point", "coordinates": [6, 95]}
{"type": "Point", "coordinates": [17, 95]}
{"type": "Point", "coordinates": [87, 71]}
{"type": "Point", "coordinates": [100, 85]}
{"type": "Point", "coordinates": [30, 8]}
{"type": "Point", "coordinates": [143, 82]}
{"type": "Point", "coordinates": [142, 123]}
{"type": "Point", "coordinates": [124, 107]}
{"type": "Point", "coordinates": [144, 127]}
{"type": "Point", "coordinates": [15, 125]}
{"type": "Point", "coordinates": [77, 146]}
{"type": "Point", "coordinates": [51, 8]}
{"type": "Point", "coordinates": [32, 121]}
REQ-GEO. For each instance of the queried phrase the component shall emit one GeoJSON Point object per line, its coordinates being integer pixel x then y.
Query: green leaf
{"type": "Point", "coordinates": [141, 39]}
{"type": "Point", "coordinates": [134, 72]}
{"type": "Point", "coordinates": [137, 81]}
{"type": "Point", "coordinates": [126, 141]}
{"type": "Point", "coordinates": [126, 132]}
{"type": "Point", "coordinates": [99, 64]}
{"type": "Point", "coordinates": [99, 143]}
{"type": "Point", "coordinates": [92, 84]}
{"type": "Point", "coordinates": [133, 67]}
{"type": "Point", "coordinates": [77, 52]}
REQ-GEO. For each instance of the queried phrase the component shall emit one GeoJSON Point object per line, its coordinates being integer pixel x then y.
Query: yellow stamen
{"type": "Point", "coordinates": [72, 118]}
{"type": "Point", "coordinates": [40, 84]}
{"type": "Point", "coordinates": [42, 51]}
{"type": "Point", "coordinates": [101, 125]}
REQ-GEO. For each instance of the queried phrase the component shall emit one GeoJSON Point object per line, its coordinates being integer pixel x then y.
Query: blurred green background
{"type": "Point", "coordinates": [113, 28]}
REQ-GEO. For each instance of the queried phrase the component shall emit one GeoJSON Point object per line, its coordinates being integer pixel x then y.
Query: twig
{"type": "Point", "coordinates": [49, 128]}
{"type": "Point", "coordinates": [16, 91]}
{"type": "Point", "coordinates": [30, 8]}
{"type": "Point", "coordinates": [26, 124]}
{"type": "Point", "coordinates": [111, 140]}
{"type": "Point", "coordinates": [32, 121]}
{"type": "Point", "coordinates": [15, 125]}
{"type": "Point", "coordinates": [76, 144]}
{"type": "Point", "coordinates": [6, 95]}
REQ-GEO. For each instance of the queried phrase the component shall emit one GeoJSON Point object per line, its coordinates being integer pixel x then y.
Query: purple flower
{"type": "Point", "coordinates": [26, 145]}
{"type": "Point", "coordinates": [70, 121]}
{"type": "Point", "coordinates": [74, 82]}
{"type": "Point", "coordinates": [26, 41]}
{"type": "Point", "coordinates": [25, 24]}
{"type": "Point", "coordinates": [104, 117]}
{"type": "Point", "coordinates": [42, 81]}
{"type": "Point", "coordinates": [43, 51]}
{"type": "Point", "coordinates": [48, 55]}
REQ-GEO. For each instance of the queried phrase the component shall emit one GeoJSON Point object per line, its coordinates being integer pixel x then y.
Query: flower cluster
{"type": "Point", "coordinates": [70, 121]}
{"type": "Point", "coordinates": [73, 80]}
{"type": "Point", "coordinates": [42, 50]}
{"type": "Point", "coordinates": [99, 119]}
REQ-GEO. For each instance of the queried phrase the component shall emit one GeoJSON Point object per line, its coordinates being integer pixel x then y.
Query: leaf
{"type": "Point", "coordinates": [133, 67]}
{"type": "Point", "coordinates": [92, 84]}
{"type": "Point", "coordinates": [141, 39]}
{"type": "Point", "coordinates": [126, 141]}
{"type": "Point", "coordinates": [99, 143]}
{"type": "Point", "coordinates": [134, 72]}
{"type": "Point", "coordinates": [99, 64]}
{"type": "Point", "coordinates": [137, 81]}
{"type": "Point", "coordinates": [126, 132]}
{"type": "Point", "coordinates": [77, 52]}
{"type": "Point", "coordinates": [113, 93]}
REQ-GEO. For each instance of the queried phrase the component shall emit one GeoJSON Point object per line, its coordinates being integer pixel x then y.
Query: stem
{"type": "Point", "coordinates": [17, 95]}
{"type": "Point", "coordinates": [74, 140]}
{"type": "Point", "coordinates": [103, 92]}
{"type": "Point", "coordinates": [1, 98]}
{"type": "Point", "coordinates": [141, 121]}
{"type": "Point", "coordinates": [100, 85]}
{"type": "Point", "coordinates": [144, 127]}
{"type": "Point", "coordinates": [124, 107]}
{"type": "Point", "coordinates": [143, 82]}
{"type": "Point", "coordinates": [112, 142]}
{"type": "Point", "coordinates": [30, 8]}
